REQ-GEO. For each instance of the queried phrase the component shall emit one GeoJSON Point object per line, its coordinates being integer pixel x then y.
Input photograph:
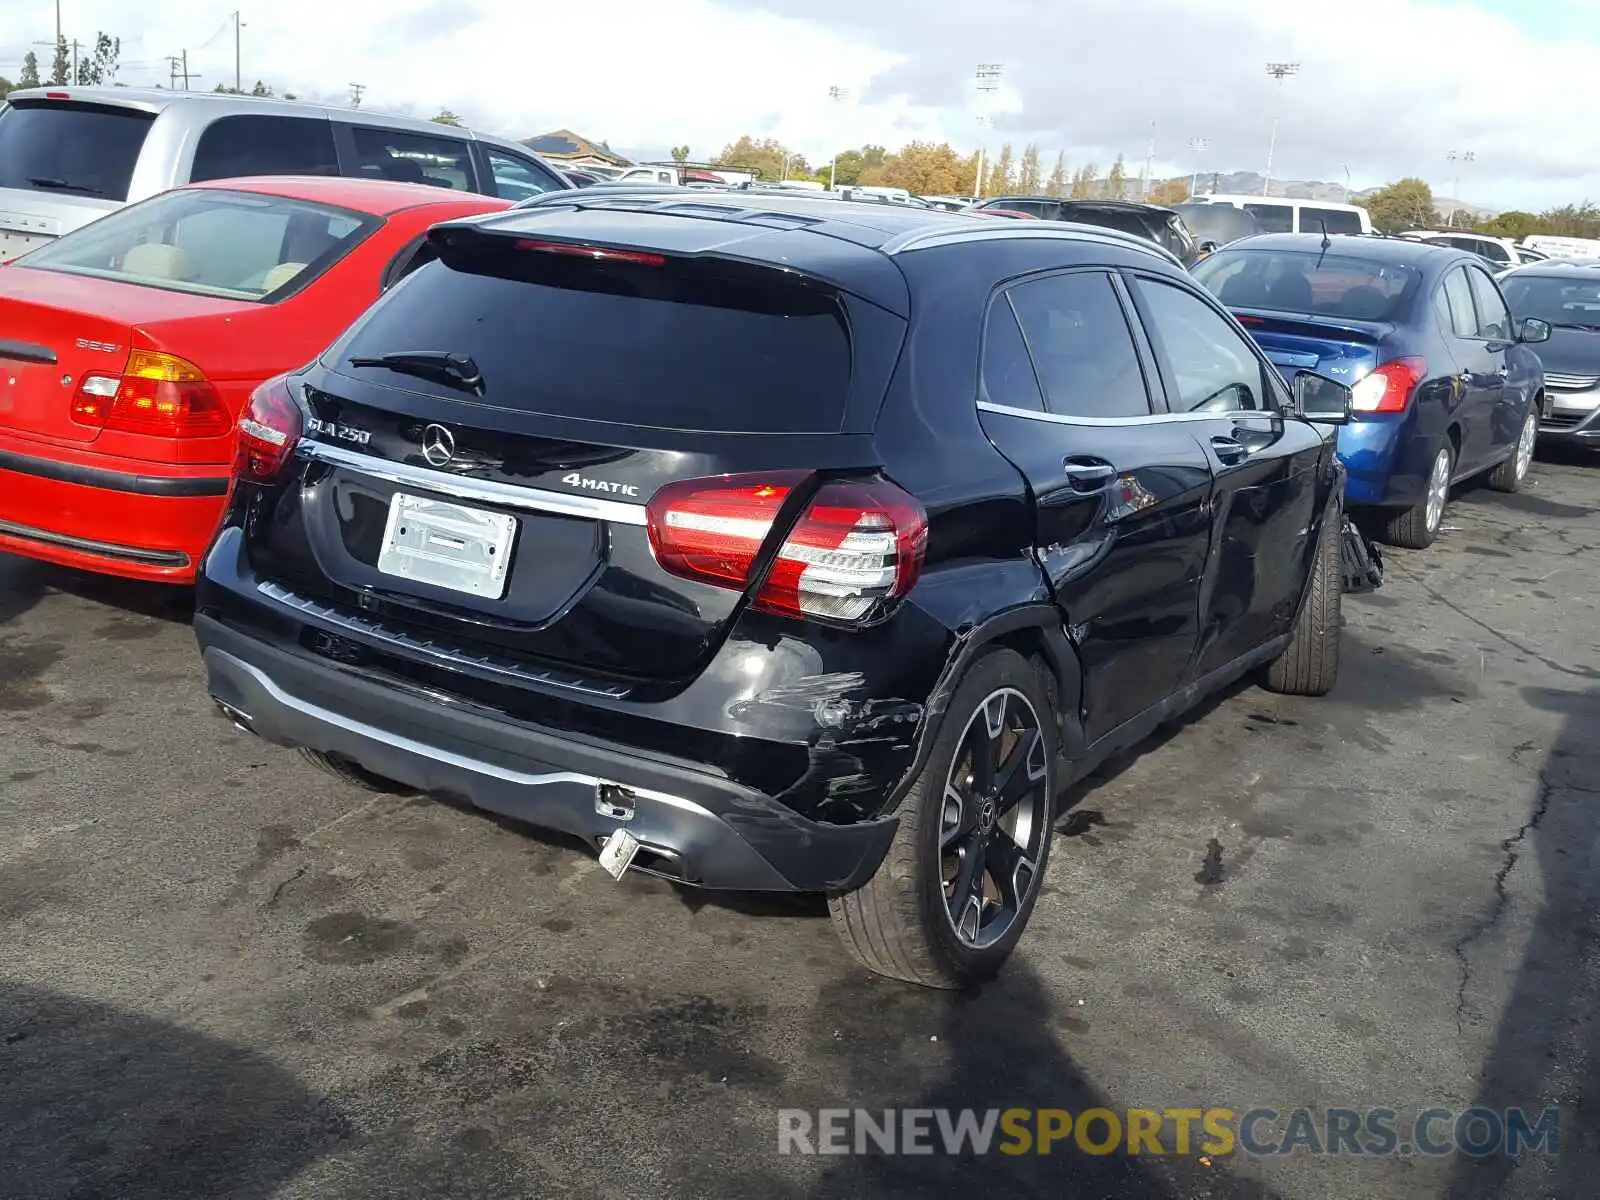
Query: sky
{"type": "Point", "coordinates": [1385, 88]}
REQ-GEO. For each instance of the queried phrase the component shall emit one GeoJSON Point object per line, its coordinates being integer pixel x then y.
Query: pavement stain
{"type": "Point", "coordinates": [354, 939]}
{"type": "Point", "coordinates": [23, 665]}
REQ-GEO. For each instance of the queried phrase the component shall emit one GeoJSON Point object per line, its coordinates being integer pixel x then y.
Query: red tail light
{"type": "Point", "coordinates": [1388, 388]}
{"type": "Point", "coordinates": [856, 549]}
{"type": "Point", "coordinates": [157, 394]}
{"type": "Point", "coordinates": [268, 430]}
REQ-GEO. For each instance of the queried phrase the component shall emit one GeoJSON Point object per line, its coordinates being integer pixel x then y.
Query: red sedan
{"type": "Point", "coordinates": [128, 348]}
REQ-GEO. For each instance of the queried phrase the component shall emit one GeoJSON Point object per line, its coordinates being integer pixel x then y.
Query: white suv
{"type": "Point", "coordinates": [1498, 251]}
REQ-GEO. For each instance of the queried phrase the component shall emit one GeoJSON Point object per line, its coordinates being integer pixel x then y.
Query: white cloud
{"type": "Point", "coordinates": [1386, 87]}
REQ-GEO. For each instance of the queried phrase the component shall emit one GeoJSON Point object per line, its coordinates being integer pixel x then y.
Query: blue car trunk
{"type": "Point", "coordinates": [1339, 348]}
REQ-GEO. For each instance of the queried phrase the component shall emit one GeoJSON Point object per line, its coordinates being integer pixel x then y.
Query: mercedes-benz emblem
{"type": "Point", "coordinates": [438, 445]}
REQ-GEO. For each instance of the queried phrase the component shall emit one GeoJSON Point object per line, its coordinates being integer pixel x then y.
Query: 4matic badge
{"type": "Point", "coordinates": [599, 485]}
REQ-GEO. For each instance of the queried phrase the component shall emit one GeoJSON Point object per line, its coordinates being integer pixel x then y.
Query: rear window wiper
{"type": "Point", "coordinates": [62, 185]}
{"type": "Point", "coordinates": [457, 370]}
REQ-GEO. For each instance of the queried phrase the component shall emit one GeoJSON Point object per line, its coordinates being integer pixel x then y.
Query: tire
{"type": "Point", "coordinates": [900, 923]}
{"type": "Point", "coordinates": [1509, 475]}
{"type": "Point", "coordinates": [1309, 665]}
{"type": "Point", "coordinates": [349, 772]}
{"type": "Point", "coordinates": [1413, 529]}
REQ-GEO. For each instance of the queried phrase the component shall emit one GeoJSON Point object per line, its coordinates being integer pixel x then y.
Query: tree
{"type": "Point", "coordinates": [860, 166]}
{"type": "Point", "coordinates": [925, 169]}
{"type": "Point", "coordinates": [1513, 224]}
{"type": "Point", "coordinates": [260, 89]}
{"type": "Point", "coordinates": [1170, 191]}
{"type": "Point", "coordinates": [99, 68]}
{"type": "Point", "coordinates": [30, 71]}
{"type": "Point", "coordinates": [1117, 180]}
{"type": "Point", "coordinates": [1404, 204]}
{"type": "Point", "coordinates": [445, 117]}
{"type": "Point", "coordinates": [768, 156]}
{"type": "Point", "coordinates": [61, 66]}
{"type": "Point", "coordinates": [1028, 170]}
{"type": "Point", "coordinates": [1573, 220]}
{"type": "Point", "coordinates": [1057, 184]}
{"type": "Point", "coordinates": [5, 87]}
{"type": "Point", "coordinates": [1002, 178]}
{"type": "Point", "coordinates": [680, 154]}
{"type": "Point", "coordinates": [1083, 181]}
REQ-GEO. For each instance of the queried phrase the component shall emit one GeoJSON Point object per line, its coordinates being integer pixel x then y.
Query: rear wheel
{"type": "Point", "coordinates": [349, 772]}
{"type": "Point", "coordinates": [1508, 476]}
{"type": "Point", "coordinates": [1309, 665]}
{"type": "Point", "coordinates": [953, 895]}
{"type": "Point", "coordinates": [1416, 528]}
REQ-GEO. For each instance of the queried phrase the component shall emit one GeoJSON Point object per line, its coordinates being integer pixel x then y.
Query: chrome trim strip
{"type": "Point", "coordinates": [450, 659]}
{"type": "Point", "coordinates": [423, 750]}
{"type": "Point", "coordinates": [489, 492]}
{"type": "Point", "coordinates": [1031, 414]}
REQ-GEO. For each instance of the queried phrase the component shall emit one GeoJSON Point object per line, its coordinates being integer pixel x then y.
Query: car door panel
{"type": "Point", "coordinates": [1505, 413]}
{"type": "Point", "coordinates": [1266, 500]}
{"type": "Point", "coordinates": [1479, 383]}
{"type": "Point", "coordinates": [1121, 500]}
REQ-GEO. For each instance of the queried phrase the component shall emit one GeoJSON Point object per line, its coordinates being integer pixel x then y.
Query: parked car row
{"type": "Point", "coordinates": [966, 505]}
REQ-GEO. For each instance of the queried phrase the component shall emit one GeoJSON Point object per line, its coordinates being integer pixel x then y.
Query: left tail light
{"type": "Point", "coordinates": [1388, 388]}
{"type": "Point", "coordinates": [269, 427]}
{"type": "Point", "coordinates": [157, 394]}
{"type": "Point", "coordinates": [856, 549]}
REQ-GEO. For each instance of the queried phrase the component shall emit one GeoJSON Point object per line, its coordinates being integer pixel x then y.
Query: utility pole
{"type": "Point", "coordinates": [58, 22]}
{"type": "Point", "coordinates": [238, 77]}
{"type": "Point", "coordinates": [1456, 158]}
{"type": "Point", "coordinates": [355, 94]}
{"type": "Point", "coordinates": [1149, 164]}
{"type": "Point", "coordinates": [1197, 146]}
{"type": "Point", "coordinates": [988, 84]}
{"type": "Point", "coordinates": [75, 76]}
{"type": "Point", "coordinates": [837, 95]}
{"type": "Point", "coordinates": [1279, 71]}
{"type": "Point", "coordinates": [186, 70]}
{"type": "Point", "coordinates": [1346, 168]}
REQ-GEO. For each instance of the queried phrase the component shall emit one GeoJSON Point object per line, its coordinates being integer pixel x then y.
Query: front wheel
{"type": "Point", "coordinates": [955, 891]}
{"type": "Point", "coordinates": [1508, 476]}
{"type": "Point", "coordinates": [1416, 528]}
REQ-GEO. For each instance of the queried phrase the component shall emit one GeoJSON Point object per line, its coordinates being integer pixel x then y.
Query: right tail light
{"type": "Point", "coordinates": [856, 549]}
{"type": "Point", "coordinates": [269, 427]}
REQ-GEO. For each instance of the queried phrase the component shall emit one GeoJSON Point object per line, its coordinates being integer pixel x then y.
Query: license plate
{"type": "Point", "coordinates": [447, 545]}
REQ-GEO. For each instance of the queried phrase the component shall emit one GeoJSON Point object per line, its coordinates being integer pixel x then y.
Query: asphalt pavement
{"type": "Point", "coordinates": [224, 974]}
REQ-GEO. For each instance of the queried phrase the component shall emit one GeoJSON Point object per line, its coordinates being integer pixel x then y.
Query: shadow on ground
{"type": "Point", "coordinates": [99, 1102]}
{"type": "Point", "coordinates": [25, 581]}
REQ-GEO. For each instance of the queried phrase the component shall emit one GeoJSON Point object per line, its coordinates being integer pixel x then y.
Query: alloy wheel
{"type": "Point", "coordinates": [1525, 444]}
{"type": "Point", "coordinates": [995, 818]}
{"type": "Point", "coordinates": [1438, 490]}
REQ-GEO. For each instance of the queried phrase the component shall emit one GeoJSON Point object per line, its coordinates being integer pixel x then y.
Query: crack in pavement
{"type": "Point", "coordinates": [1579, 672]}
{"type": "Point", "coordinates": [1502, 898]}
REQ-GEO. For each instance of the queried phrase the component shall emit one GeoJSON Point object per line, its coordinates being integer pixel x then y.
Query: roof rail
{"type": "Point", "coordinates": [1006, 228]}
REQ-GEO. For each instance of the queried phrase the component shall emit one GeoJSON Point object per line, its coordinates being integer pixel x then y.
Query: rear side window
{"type": "Point", "coordinates": [1315, 220]}
{"type": "Point", "coordinates": [413, 157]}
{"type": "Point", "coordinates": [235, 147]}
{"type": "Point", "coordinates": [673, 346]}
{"type": "Point", "coordinates": [1458, 298]}
{"type": "Point", "coordinates": [1273, 218]}
{"type": "Point", "coordinates": [1494, 322]}
{"type": "Point", "coordinates": [1081, 346]}
{"type": "Point", "coordinates": [71, 149]}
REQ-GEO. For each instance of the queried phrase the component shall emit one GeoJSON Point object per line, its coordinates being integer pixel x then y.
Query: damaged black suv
{"type": "Point", "coordinates": [776, 543]}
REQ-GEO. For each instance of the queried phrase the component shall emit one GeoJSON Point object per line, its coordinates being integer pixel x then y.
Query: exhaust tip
{"type": "Point", "coordinates": [239, 720]}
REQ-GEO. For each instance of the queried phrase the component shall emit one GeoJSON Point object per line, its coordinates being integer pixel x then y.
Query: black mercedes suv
{"type": "Point", "coordinates": [766, 542]}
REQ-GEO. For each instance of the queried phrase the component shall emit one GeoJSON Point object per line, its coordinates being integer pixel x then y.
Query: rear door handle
{"type": "Point", "coordinates": [1088, 474]}
{"type": "Point", "coordinates": [1229, 451]}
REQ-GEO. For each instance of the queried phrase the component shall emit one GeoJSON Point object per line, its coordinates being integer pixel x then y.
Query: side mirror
{"type": "Point", "coordinates": [1533, 330]}
{"type": "Point", "coordinates": [1321, 400]}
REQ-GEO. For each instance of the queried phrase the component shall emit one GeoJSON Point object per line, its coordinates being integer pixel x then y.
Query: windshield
{"type": "Point", "coordinates": [1326, 285]}
{"type": "Point", "coordinates": [70, 149]}
{"type": "Point", "coordinates": [1562, 301]}
{"type": "Point", "coordinates": [238, 245]}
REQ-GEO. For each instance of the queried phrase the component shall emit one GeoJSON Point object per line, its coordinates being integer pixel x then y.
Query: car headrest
{"type": "Point", "coordinates": [156, 260]}
{"type": "Point", "coordinates": [280, 275]}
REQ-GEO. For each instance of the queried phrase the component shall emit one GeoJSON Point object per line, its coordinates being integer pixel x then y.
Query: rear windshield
{"type": "Point", "coordinates": [694, 348]}
{"type": "Point", "coordinates": [1329, 285]}
{"type": "Point", "coordinates": [213, 242]}
{"type": "Point", "coordinates": [1562, 301]}
{"type": "Point", "coordinates": [70, 149]}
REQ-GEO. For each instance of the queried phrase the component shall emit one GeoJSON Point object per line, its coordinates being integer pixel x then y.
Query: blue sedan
{"type": "Point", "coordinates": [1445, 386]}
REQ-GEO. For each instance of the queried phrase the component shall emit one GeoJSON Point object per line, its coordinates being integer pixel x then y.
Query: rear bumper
{"type": "Point", "coordinates": [99, 518]}
{"type": "Point", "coordinates": [692, 825]}
{"type": "Point", "coordinates": [1387, 461]}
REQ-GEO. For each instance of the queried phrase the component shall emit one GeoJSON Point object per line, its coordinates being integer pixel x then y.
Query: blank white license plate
{"type": "Point", "coordinates": [448, 545]}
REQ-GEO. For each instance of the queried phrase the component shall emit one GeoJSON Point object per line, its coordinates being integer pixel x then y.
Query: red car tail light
{"type": "Point", "coordinates": [641, 258]}
{"type": "Point", "coordinates": [269, 427]}
{"type": "Point", "coordinates": [855, 550]}
{"type": "Point", "coordinates": [1387, 389]}
{"type": "Point", "coordinates": [157, 394]}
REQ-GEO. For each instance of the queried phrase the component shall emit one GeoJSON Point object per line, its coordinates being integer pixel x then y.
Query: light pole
{"type": "Point", "coordinates": [988, 78]}
{"type": "Point", "coordinates": [1456, 158]}
{"type": "Point", "coordinates": [837, 95]}
{"type": "Point", "coordinates": [1345, 167]}
{"type": "Point", "coordinates": [1197, 146]}
{"type": "Point", "coordinates": [1279, 71]}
